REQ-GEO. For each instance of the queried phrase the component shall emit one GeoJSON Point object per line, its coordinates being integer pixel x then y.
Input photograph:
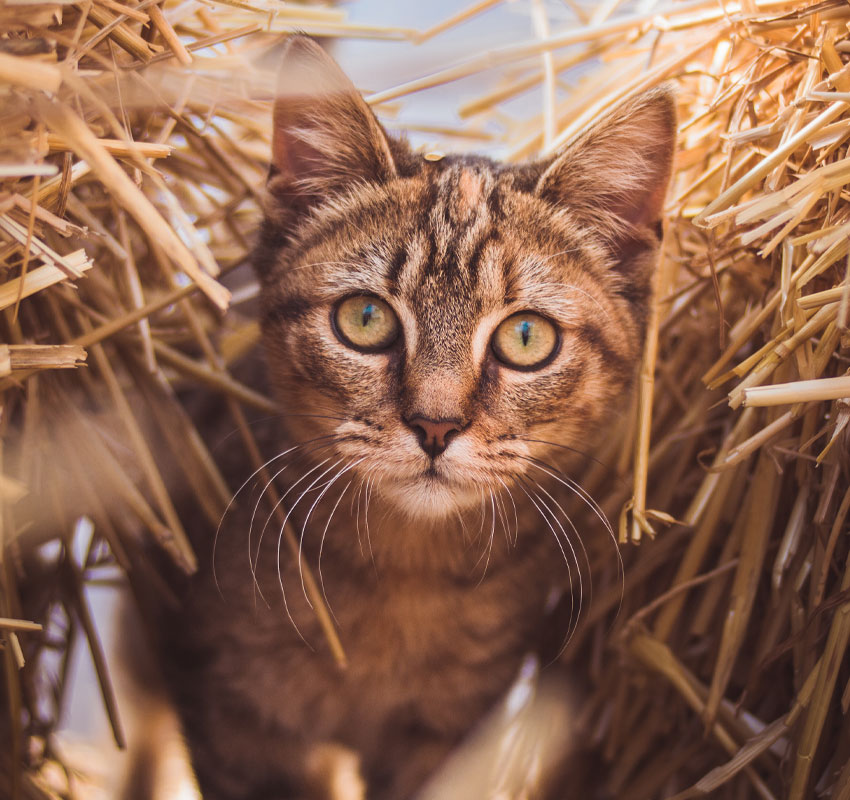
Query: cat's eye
{"type": "Point", "coordinates": [525, 341]}
{"type": "Point", "coordinates": [366, 323]}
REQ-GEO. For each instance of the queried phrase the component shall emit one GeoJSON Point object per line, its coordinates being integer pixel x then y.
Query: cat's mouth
{"type": "Point", "coordinates": [441, 475]}
{"type": "Point", "coordinates": [432, 474]}
{"type": "Point", "coordinates": [429, 478]}
{"type": "Point", "coordinates": [432, 493]}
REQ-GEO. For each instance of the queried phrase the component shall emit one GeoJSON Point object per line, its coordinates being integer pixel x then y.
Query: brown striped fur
{"type": "Point", "coordinates": [434, 610]}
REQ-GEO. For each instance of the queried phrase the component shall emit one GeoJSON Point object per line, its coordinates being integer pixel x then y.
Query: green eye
{"type": "Point", "coordinates": [366, 323]}
{"type": "Point", "coordinates": [525, 341]}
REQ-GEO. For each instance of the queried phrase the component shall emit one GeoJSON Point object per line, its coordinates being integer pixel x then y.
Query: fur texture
{"type": "Point", "coordinates": [438, 591]}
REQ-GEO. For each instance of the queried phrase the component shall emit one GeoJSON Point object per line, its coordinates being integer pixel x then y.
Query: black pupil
{"type": "Point", "coordinates": [525, 331]}
{"type": "Point", "coordinates": [367, 313]}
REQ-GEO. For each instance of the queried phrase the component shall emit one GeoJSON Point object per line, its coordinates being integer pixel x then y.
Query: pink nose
{"type": "Point", "coordinates": [434, 434]}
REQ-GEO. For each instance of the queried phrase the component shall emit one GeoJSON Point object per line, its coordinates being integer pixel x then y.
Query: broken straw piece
{"type": "Point", "coordinates": [798, 392]}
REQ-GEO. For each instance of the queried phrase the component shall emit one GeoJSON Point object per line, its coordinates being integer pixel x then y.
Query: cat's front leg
{"type": "Point", "coordinates": [333, 772]}
{"type": "Point", "coordinates": [325, 771]}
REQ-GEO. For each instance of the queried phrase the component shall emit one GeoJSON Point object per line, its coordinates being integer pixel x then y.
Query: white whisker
{"type": "Point", "coordinates": [492, 533]}
{"type": "Point", "coordinates": [321, 549]}
{"type": "Point", "coordinates": [324, 491]}
{"type": "Point", "coordinates": [503, 517]}
{"type": "Point", "coordinates": [580, 492]}
{"type": "Point", "coordinates": [573, 619]}
{"type": "Point", "coordinates": [254, 558]}
{"type": "Point", "coordinates": [574, 628]}
{"type": "Point", "coordinates": [356, 514]}
{"type": "Point", "coordinates": [369, 485]}
{"type": "Point", "coordinates": [576, 487]}
{"type": "Point", "coordinates": [489, 548]}
{"type": "Point", "coordinates": [516, 516]}
{"type": "Point", "coordinates": [300, 497]}
{"type": "Point", "coordinates": [578, 538]}
{"type": "Point", "coordinates": [280, 541]}
{"type": "Point", "coordinates": [233, 500]}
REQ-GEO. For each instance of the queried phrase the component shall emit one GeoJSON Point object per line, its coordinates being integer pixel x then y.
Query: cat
{"type": "Point", "coordinates": [434, 331]}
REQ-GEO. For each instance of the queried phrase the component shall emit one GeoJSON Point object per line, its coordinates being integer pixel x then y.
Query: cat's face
{"type": "Point", "coordinates": [448, 322]}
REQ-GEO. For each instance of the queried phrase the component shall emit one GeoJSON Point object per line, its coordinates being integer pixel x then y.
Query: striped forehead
{"type": "Point", "coordinates": [452, 272]}
{"type": "Point", "coordinates": [455, 228]}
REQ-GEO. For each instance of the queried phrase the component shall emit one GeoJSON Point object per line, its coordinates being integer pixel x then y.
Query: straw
{"type": "Point", "coordinates": [134, 142]}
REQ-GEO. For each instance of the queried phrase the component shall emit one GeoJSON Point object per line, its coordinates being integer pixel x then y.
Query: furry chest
{"type": "Point", "coordinates": [421, 654]}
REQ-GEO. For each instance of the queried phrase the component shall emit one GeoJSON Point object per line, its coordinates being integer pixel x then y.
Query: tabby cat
{"type": "Point", "coordinates": [434, 330]}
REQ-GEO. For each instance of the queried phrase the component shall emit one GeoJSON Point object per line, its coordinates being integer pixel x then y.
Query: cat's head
{"type": "Point", "coordinates": [443, 321]}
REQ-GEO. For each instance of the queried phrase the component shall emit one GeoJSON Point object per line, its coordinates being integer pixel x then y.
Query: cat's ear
{"type": "Point", "coordinates": [614, 176]}
{"type": "Point", "coordinates": [325, 136]}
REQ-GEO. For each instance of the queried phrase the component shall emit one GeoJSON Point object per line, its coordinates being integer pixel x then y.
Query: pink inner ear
{"type": "Point", "coordinates": [646, 206]}
{"type": "Point", "coordinates": [281, 151]}
{"type": "Point", "coordinates": [291, 155]}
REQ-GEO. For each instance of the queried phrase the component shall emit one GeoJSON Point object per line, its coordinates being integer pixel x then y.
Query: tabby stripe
{"type": "Point", "coordinates": [508, 279]}
{"type": "Point", "coordinates": [494, 204]}
{"type": "Point", "coordinates": [396, 265]}
{"type": "Point", "coordinates": [473, 264]}
{"type": "Point", "coordinates": [287, 310]}
{"type": "Point", "coordinates": [429, 265]}
{"type": "Point", "coordinates": [593, 335]}
{"type": "Point", "coordinates": [637, 296]}
{"type": "Point", "coordinates": [429, 204]}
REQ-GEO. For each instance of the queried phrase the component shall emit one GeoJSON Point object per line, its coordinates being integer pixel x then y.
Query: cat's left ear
{"type": "Point", "coordinates": [614, 177]}
{"type": "Point", "coordinates": [325, 136]}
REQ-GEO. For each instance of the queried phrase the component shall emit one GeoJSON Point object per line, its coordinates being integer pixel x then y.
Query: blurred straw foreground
{"type": "Point", "coordinates": [133, 144]}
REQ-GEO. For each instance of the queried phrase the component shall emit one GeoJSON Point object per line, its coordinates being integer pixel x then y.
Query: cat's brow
{"type": "Point", "coordinates": [560, 299]}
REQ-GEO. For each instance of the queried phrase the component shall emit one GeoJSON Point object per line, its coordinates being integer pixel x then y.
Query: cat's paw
{"type": "Point", "coordinates": [333, 773]}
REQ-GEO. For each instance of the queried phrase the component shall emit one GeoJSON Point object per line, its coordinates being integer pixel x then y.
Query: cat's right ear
{"type": "Point", "coordinates": [325, 136]}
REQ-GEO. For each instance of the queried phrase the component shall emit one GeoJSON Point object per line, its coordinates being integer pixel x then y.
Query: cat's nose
{"type": "Point", "coordinates": [434, 434]}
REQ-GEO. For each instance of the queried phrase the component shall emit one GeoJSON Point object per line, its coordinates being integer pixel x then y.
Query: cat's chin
{"type": "Point", "coordinates": [430, 497]}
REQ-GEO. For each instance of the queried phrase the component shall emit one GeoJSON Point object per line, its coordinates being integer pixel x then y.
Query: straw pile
{"type": "Point", "coordinates": [133, 141]}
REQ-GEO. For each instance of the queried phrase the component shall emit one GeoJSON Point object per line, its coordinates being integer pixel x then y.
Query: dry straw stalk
{"type": "Point", "coordinates": [133, 146]}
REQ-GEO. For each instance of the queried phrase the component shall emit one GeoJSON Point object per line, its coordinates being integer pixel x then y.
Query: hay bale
{"type": "Point", "coordinates": [133, 142]}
